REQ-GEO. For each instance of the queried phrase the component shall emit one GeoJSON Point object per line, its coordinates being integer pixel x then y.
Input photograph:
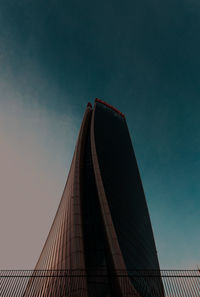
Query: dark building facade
{"type": "Point", "coordinates": [102, 227]}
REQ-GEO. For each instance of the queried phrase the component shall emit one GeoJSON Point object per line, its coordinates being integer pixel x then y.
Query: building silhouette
{"type": "Point", "coordinates": [102, 230]}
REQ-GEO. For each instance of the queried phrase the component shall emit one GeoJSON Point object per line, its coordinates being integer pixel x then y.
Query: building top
{"type": "Point", "coordinates": [89, 105]}
{"type": "Point", "coordinates": [110, 106]}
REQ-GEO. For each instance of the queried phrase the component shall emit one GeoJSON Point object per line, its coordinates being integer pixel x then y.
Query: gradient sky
{"type": "Point", "coordinates": [140, 56]}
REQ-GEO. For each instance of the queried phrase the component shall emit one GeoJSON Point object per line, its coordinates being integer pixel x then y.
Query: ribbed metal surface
{"type": "Point", "coordinates": [63, 248]}
{"type": "Point", "coordinates": [177, 283]}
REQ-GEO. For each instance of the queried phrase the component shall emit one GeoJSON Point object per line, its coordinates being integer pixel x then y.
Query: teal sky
{"type": "Point", "coordinates": [140, 56]}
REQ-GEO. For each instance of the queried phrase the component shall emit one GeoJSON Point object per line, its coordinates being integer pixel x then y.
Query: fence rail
{"type": "Point", "coordinates": [176, 283]}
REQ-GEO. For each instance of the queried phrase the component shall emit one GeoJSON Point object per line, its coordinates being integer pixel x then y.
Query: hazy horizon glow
{"type": "Point", "coordinates": [33, 144]}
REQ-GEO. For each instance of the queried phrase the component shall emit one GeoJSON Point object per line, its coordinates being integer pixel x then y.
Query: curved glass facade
{"type": "Point", "coordinates": [124, 192]}
{"type": "Point", "coordinates": [93, 231]}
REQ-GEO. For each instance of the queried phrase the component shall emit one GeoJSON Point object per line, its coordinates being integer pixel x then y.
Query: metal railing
{"type": "Point", "coordinates": [62, 283]}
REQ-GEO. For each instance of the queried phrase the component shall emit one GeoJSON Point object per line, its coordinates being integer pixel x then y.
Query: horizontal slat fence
{"type": "Point", "coordinates": [62, 283]}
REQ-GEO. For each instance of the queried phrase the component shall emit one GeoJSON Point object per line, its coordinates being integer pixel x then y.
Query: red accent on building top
{"type": "Point", "coordinates": [89, 105]}
{"type": "Point", "coordinates": [110, 106]}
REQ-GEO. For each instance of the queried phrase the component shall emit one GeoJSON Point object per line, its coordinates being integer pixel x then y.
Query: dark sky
{"type": "Point", "coordinates": [140, 56]}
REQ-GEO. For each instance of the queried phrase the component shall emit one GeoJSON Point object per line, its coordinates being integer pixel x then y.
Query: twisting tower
{"type": "Point", "coordinates": [102, 225]}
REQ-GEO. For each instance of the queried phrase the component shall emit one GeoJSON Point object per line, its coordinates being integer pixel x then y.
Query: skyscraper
{"type": "Point", "coordinates": [102, 225]}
